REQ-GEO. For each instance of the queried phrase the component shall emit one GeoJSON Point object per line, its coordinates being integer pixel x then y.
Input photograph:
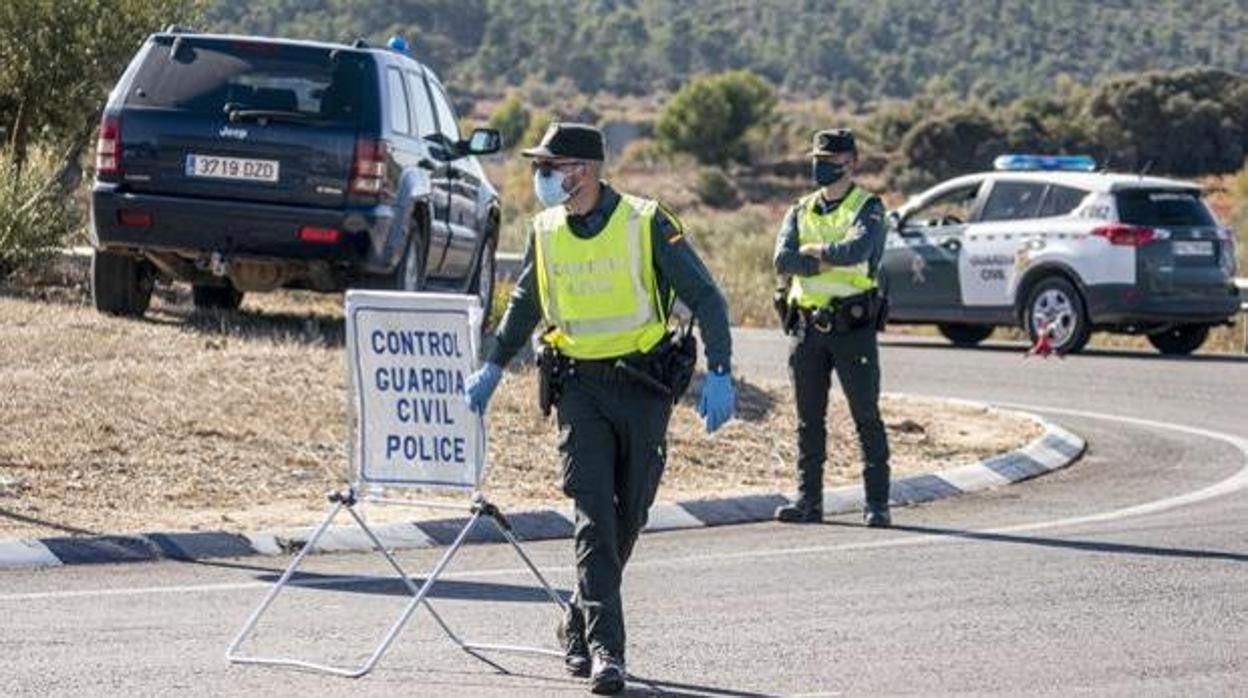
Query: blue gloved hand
{"type": "Point", "coordinates": [481, 385]}
{"type": "Point", "coordinates": [718, 400]}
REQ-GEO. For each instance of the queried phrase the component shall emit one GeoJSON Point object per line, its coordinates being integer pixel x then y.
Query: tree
{"type": "Point", "coordinates": [1187, 122]}
{"type": "Point", "coordinates": [511, 119]}
{"type": "Point", "coordinates": [945, 146]}
{"type": "Point", "coordinates": [58, 59]}
{"type": "Point", "coordinates": [710, 115]}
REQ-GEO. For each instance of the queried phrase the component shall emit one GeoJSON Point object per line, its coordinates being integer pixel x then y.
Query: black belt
{"type": "Point", "coordinates": [619, 369]}
{"type": "Point", "coordinates": [842, 314]}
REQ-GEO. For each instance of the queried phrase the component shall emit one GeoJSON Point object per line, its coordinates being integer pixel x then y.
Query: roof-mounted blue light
{"type": "Point", "coordinates": [399, 44]}
{"type": "Point", "coordinates": [1076, 163]}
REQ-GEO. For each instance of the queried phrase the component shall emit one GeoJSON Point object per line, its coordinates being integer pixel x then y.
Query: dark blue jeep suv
{"type": "Point", "coordinates": [241, 164]}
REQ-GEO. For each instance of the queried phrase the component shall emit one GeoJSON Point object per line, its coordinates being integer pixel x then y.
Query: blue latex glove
{"type": "Point", "coordinates": [481, 385]}
{"type": "Point", "coordinates": [718, 400]}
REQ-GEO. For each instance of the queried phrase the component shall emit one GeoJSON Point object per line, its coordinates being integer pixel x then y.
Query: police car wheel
{"type": "Point", "coordinates": [1055, 306]}
{"type": "Point", "coordinates": [965, 335]}
{"type": "Point", "coordinates": [1180, 340]}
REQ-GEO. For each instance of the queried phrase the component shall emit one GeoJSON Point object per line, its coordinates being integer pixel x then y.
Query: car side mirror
{"type": "Point", "coordinates": [483, 141]}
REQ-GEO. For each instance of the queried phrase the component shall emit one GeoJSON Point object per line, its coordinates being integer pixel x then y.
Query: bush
{"type": "Point", "coordinates": [709, 116]}
{"type": "Point", "coordinates": [538, 123]}
{"type": "Point", "coordinates": [715, 188]}
{"type": "Point", "coordinates": [33, 224]}
{"type": "Point", "coordinates": [511, 119]}
{"type": "Point", "coordinates": [1186, 122]}
{"type": "Point", "coordinates": [946, 146]}
{"type": "Point", "coordinates": [643, 153]}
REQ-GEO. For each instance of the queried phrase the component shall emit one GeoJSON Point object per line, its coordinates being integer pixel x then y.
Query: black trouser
{"type": "Point", "coordinates": [613, 440]}
{"type": "Point", "coordinates": [854, 355]}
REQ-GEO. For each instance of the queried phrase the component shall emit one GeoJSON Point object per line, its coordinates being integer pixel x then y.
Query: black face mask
{"type": "Point", "coordinates": [826, 172]}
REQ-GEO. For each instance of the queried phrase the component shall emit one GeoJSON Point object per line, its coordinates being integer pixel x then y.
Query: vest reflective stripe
{"type": "Point", "coordinates": [834, 226]}
{"type": "Point", "coordinates": [599, 294]}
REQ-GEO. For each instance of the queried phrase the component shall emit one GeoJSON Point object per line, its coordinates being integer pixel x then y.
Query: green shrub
{"type": "Point", "coordinates": [709, 116]}
{"type": "Point", "coordinates": [511, 119]}
{"type": "Point", "coordinates": [33, 224]}
{"type": "Point", "coordinates": [716, 189]}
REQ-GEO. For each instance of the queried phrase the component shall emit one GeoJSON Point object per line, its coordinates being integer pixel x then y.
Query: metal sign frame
{"type": "Point", "coordinates": [349, 499]}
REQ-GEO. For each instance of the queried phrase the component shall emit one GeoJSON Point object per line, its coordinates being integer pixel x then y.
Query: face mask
{"type": "Point", "coordinates": [826, 172]}
{"type": "Point", "coordinates": [549, 187]}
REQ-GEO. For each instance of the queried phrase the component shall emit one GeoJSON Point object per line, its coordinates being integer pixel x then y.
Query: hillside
{"type": "Point", "coordinates": [853, 50]}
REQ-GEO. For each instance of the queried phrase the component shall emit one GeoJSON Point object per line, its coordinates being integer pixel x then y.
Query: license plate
{"type": "Point", "coordinates": [1193, 248]}
{"type": "Point", "coordinates": [242, 169]}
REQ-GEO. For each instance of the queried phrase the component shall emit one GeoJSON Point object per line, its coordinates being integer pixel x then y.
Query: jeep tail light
{"type": "Point", "coordinates": [312, 233]}
{"type": "Point", "coordinates": [1125, 235]}
{"type": "Point", "coordinates": [134, 218]}
{"type": "Point", "coordinates": [108, 147]}
{"type": "Point", "coordinates": [368, 170]}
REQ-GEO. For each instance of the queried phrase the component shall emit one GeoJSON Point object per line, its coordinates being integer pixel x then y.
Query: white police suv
{"type": "Point", "coordinates": [1048, 243]}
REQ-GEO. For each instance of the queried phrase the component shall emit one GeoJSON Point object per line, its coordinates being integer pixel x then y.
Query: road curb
{"type": "Point", "coordinates": [1056, 448]}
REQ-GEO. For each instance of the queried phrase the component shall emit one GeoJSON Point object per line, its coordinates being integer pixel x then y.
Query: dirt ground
{"type": "Point", "coordinates": [237, 421]}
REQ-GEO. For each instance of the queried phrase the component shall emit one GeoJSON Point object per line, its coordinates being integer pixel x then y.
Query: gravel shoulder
{"type": "Point", "coordinates": [237, 421]}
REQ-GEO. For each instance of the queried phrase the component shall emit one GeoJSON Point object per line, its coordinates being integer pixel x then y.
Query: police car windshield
{"type": "Point", "coordinates": [1162, 207]}
{"type": "Point", "coordinates": [222, 76]}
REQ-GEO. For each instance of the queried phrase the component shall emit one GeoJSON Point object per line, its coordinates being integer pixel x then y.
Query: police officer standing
{"type": "Point", "coordinates": [601, 271]}
{"type": "Point", "coordinates": [830, 244]}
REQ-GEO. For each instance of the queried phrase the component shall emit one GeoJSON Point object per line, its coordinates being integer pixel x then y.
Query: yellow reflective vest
{"type": "Point", "coordinates": [831, 227]}
{"type": "Point", "coordinates": [600, 294]}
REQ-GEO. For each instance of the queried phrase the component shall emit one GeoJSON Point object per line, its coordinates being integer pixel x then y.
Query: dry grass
{"type": "Point", "coordinates": [237, 421]}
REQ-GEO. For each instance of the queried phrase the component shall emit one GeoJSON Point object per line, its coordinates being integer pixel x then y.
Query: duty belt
{"type": "Point", "coordinates": [843, 314]}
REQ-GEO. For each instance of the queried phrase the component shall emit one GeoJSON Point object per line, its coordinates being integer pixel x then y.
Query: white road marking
{"type": "Point", "coordinates": [1234, 483]}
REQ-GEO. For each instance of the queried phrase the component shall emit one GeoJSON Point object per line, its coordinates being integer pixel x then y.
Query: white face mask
{"type": "Point", "coordinates": [549, 188]}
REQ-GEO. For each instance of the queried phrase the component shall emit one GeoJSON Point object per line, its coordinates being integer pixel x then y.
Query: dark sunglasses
{"type": "Point", "coordinates": [547, 166]}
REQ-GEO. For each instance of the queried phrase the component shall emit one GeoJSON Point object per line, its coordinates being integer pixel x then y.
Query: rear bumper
{"type": "Point", "coordinates": [192, 227]}
{"type": "Point", "coordinates": [1123, 304]}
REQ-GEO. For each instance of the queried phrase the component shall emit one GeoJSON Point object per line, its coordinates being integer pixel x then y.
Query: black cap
{"type": "Point", "coordinates": [562, 140]}
{"type": "Point", "coordinates": [832, 141]}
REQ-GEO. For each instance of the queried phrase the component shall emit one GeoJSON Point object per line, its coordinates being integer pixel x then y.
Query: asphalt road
{"type": "Point", "coordinates": [1126, 574]}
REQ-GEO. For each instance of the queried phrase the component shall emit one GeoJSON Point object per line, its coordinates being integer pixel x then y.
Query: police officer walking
{"type": "Point", "coordinates": [830, 244]}
{"type": "Point", "coordinates": [601, 271]}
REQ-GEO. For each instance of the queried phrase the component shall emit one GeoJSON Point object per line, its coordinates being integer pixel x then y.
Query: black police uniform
{"type": "Point", "coordinates": [613, 428]}
{"type": "Point", "coordinates": [819, 348]}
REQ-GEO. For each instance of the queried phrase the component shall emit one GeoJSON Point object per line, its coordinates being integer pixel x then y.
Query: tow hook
{"type": "Point", "coordinates": [218, 265]}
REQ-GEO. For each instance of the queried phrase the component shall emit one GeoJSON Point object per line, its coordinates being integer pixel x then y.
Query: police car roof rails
{"type": "Point", "coordinates": [1026, 162]}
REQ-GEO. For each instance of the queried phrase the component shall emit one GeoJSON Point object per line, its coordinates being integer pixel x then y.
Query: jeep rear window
{"type": "Point", "coordinates": [206, 75]}
{"type": "Point", "coordinates": [1163, 207]}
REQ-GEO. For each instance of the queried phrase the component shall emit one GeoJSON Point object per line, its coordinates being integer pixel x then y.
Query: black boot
{"type": "Point", "coordinates": [608, 676]}
{"type": "Point", "coordinates": [875, 480]}
{"type": "Point", "coordinates": [800, 512]}
{"type": "Point", "coordinates": [877, 516]}
{"type": "Point", "coordinates": [571, 637]}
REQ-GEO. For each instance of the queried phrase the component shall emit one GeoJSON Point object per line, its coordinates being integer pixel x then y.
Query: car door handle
{"type": "Point", "coordinates": [951, 244]}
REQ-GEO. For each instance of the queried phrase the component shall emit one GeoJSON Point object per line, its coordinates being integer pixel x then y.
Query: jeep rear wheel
{"type": "Point", "coordinates": [483, 282]}
{"type": "Point", "coordinates": [965, 335]}
{"type": "Point", "coordinates": [216, 297]}
{"type": "Point", "coordinates": [121, 284]}
{"type": "Point", "coordinates": [409, 275]}
{"type": "Point", "coordinates": [1055, 307]}
{"type": "Point", "coordinates": [1180, 340]}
